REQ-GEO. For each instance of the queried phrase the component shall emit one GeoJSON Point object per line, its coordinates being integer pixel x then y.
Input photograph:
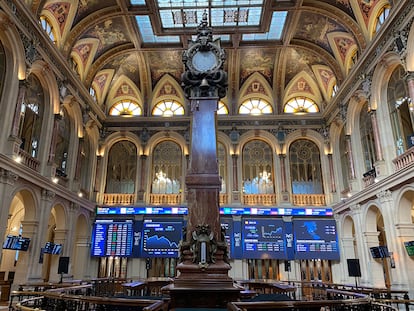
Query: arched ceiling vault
{"type": "Point", "coordinates": [289, 38]}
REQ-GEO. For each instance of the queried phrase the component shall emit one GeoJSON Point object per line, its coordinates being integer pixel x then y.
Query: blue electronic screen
{"type": "Point", "coordinates": [52, 248]}
{"type": "Point", "coordinates": [17, 243]}
{"type": "Point", "coordinates": [263, 239]}
{"type": "Point", "coordinates": [112, 238]}
{"type": "Point", "coordinates": [161, 237]}
{"type": "Point", "coordinates": [316, 239]}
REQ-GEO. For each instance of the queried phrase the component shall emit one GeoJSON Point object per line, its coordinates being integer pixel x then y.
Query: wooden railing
{"type": "Point", "coordinates": [308, 199]}
{"type": "Point", "coordinates": [404, 160]}
{"type": "Point", "coordinates": [119, 198]}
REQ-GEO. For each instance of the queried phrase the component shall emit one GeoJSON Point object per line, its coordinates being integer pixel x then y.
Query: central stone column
{"type": "Point", "coordinates": [203, 267]}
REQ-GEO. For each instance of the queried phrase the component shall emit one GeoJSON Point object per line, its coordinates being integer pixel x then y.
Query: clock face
{"type": "Point", "coordinates": [204, 60]}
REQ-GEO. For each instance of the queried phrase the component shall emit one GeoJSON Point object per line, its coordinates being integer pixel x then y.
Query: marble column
{"type": "Point", "coordinates": [235, 187]}
{"type": "Point", "coordinates": [141, 191]}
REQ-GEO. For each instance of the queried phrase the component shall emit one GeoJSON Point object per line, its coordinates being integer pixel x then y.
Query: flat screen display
{"type": "Point", "coordinates": [17, 243]}
{"type": "Point", "coordinates": [409, 247]}
{"type": "Point", "coordinates": [263, 238]}
{"type": "Point", "coordinates": [161, 237]}
{"type": "Point", "coordinates": [380, 251]}
{"type": "Point", "coordinates": [52, 248]}
{"type": "Point", "coordinates": [112, 238]}
{"type": "Point", "coordinates": [316, 239]}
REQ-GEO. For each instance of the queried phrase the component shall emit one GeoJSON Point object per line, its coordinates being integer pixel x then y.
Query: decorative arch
{"type": "Point", "coordinates": [326, 80]}
{"type": "Point", "coordinates": [101, 84]}
{"type": "Point", "coordinates": [256, 134]}
{"type": "Point", "coordinates": [124, 88]}
{"type": "Point", "coordinates": [404, 203]}
{"type": "Point", "coordinates": [160, 136]}
{"type": "Point", "coordinates": [61, 15]}
{"type": "Point", "coordinates": [83, 54]}
{"type": "Point", "coordinates": [256, 86]}
{"type": "Point", "coordinates": [344, 48]}
{"type": "Point", "coordinates": [15, 52]}
{"type": "Point", "coordinates": [303, 85]}
{"type": "Point", "coordinates": [60, 215]}
{"type": "Point", "coordinates": [311, 135]}
{"type": "Point", "coordinates": [167, 88]}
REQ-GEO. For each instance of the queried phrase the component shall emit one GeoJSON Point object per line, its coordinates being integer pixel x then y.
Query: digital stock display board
{"type": "Point", "coordinates": [112, 238]}
{"type": "Point", "coordinates": [161, 237]}
{"type": "Point", "coordinates": [316, 239]}
{"type": "Point", "coordinates": [263, 238]}
{"type": "Point", "coordinates": [17, 243]}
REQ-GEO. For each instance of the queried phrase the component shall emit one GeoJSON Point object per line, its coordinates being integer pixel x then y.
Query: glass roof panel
{"type": "Point", "coordinates": [137, 2]}
{"type": "Point", "coordinates": [275, 30]}
{"type": "Point", "coordinates": [147, 33]}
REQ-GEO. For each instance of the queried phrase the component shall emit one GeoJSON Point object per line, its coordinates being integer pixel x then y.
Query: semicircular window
{"type": "Point", "coordinates": [301, 105]}
{"type": "Point", "coordinates": [125, 108]}
{"type": "Point", "coordinates": [168, 108]}
{"type": "Point", "coordinates": [255, 106]}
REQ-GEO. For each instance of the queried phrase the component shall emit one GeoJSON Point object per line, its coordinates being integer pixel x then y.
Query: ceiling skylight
{"type": "Point", "coordinates": [275, 30]}
{"type": "Point", "coordinates": [147, 33]}
{"type": "Point", "coordinates": [222, 13]}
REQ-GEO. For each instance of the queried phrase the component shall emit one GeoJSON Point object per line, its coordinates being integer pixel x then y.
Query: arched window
{"type": "Point", "coordinates": [222, 108]}
{"type": "Point", "coordinates": [122, 168]}
{"type": "Point", "coordinates": [257, 168]}
{"type": "Point", "coordinates": [168, 108]}
{"type": "Point", "coordinates": [125, 108]}
{"type": "Point", "coordinates": [367, 138]}
{"type": "Point", "coordinates": [381, 17]}
{"type": "Point", "coordinates": [401, 110]}
{"type": "Point", "coordinates": [166, 168]}
{"type": "Point", "coordinates": [31, 116]}
{"type": "Point", "coordinates": [300, 105]}
{"type": "Point", "coordinates": [305, 167]}
{"type": "Point", "coordinates": [255, 106]}
{"type": "Point", "coordinates": [334, 90]}
{"type": "Point", "coordinates": [47, 27]}
{"type": "Point", "coordinates": [62, 142]}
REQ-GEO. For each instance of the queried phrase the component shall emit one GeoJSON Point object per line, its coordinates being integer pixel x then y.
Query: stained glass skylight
{"type": "Point", "coordinates": [222, 13]}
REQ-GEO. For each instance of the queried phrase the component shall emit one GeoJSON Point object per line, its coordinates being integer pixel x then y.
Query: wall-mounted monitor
{"type": "Point", "coordinates": [380, 251]}
{"type": "Point", "coordinates": [17, 243]}
{"type": "Point", "coordinates": [263, 238]}
{"type": "Point", "coordinates": [316, 239]}
{"type": "Point", "coordinates": [161, 237]}
{"type": "Point", "coordinates": [112, 238]}
{"type": "Point", "coordinates": [409, 247]}
{"type": "Point", "coordinates": [52, 248]}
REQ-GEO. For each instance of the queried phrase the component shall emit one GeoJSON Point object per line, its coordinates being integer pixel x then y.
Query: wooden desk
{"type": "Point", "coordinates": [268, 286]}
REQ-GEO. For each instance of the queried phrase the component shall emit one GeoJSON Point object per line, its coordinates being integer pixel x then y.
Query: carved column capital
{"type": "Point", "coordinates": [384, 196]}
{"type": "Point", "coordinates": [8, 177]}
{"type": "Point", "coordinates": [47, 195]}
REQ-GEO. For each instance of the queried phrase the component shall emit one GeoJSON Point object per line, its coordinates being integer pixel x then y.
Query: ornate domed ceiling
{"type": "Point", "coordinates": [296, 48]}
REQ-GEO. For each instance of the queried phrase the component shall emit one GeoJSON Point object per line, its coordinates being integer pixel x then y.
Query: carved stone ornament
{"type": "Point", "coordinates": [204, 59]}
{"type": "Point", "coordinates": [203, 246]}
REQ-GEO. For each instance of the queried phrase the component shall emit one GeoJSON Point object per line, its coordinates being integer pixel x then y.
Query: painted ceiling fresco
{"type": "Point", "coordinates": [105, 38]}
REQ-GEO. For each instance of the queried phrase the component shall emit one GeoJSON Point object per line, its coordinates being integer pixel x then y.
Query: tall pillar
{"type": "Point", "coordinates": [203, 267]}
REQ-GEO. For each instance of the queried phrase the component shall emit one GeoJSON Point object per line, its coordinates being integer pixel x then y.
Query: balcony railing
{"type": "Point", "coordinates": [28, 160]}
{"type": "Point", "coordinates": [259, 199]}
{"type": "Point", "coordinates": [404, 160]}
{"type": "Point", "coordinates": [159, 198]}
{"type": "Point", "coordinates": [119, 198]}
{"type": "Point", "coordinates": [309, 199]}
